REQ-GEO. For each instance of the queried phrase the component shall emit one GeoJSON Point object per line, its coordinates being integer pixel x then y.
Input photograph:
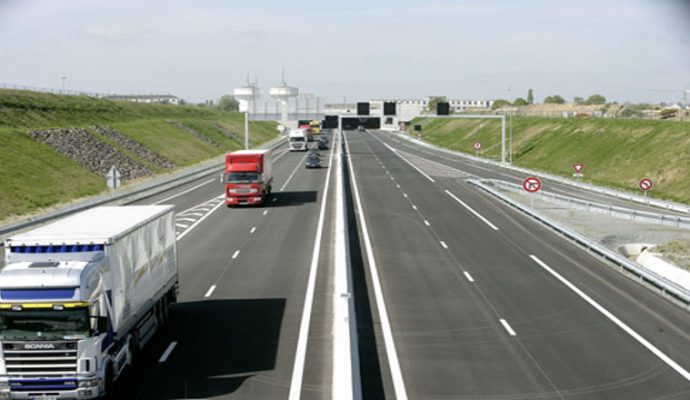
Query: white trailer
{"type": "Point", "coordinates": [80, 296]}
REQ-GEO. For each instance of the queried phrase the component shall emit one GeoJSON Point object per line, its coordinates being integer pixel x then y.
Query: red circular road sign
{"type": "Point", "coordinates": [477, 145]}
{"type": "Point", "coordinates": [531, 184]}
{"type": "Point", "coordinates": [645, 184]}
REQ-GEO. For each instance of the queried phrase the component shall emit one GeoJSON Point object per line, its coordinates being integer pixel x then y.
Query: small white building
{"type": "Point", "coordinates": [147, 98]}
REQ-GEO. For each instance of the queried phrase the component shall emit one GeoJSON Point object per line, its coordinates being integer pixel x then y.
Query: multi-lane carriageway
{"type": "Point", "coordinates": [456, 295]}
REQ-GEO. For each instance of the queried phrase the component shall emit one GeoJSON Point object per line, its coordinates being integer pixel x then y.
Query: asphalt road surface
{"type": "Point", "coordinates": [486, 304]}
{"type": "Point", "coordinates": [457, 295]}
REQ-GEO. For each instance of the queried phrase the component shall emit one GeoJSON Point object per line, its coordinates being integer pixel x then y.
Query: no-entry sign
{"type": "Point", "coordinates": [645, 184]}
{"type": "Point", "coordinates": [477, 145]}
{"type": "Point", "coordinates": [531, 184]}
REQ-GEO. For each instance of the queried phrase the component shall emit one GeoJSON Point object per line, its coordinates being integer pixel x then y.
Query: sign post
{"type": "Point", "coordinates": [477, 147]}
{"type": "Point", "coordinates": [531, 185]}
{"type": "Point", "coordinates": [645, 185]}
{"type": "Point", "coordinates": [578, 170]}
{"type": "Point", "coordinates": [112, 179]}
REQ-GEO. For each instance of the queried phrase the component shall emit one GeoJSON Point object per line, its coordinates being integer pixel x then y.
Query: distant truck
{"type": "Point", "coordinates": [298, 140]}
{"type": "Point", "coordinates": [315, 126]}
{"type": "Point", "coordinates": [308, 130]}
{"type": "Point", "coordinates": [248, 177]}
{"type": "Point", "coordinates": [80, 297]}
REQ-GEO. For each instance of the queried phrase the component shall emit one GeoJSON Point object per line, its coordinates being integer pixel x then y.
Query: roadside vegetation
{"type": "Point", "coordinates": [616, 152]}
{"type": "Point", "coordinates": [35, 177]}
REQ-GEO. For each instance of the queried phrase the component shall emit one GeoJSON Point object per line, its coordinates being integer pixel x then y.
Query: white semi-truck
{"type": "Point", "coordinates": [80, 296]}
{"type": "Point", "coordinates": [298, 140]}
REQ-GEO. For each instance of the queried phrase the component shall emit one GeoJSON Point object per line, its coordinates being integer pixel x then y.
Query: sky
{"type": "Point", "coordinates": [627, 50]}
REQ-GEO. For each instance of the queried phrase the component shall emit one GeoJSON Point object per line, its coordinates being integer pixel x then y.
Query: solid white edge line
{"type": "Point", "coordinates": [644, 342]}
{"type": "Point", "coordinates": [237, 253]}
{"type": "Point", "coordinates": [468, 276]}
{"type": "Point", "coordinates": [445, 246]}
{"type": "Point", "coordinates": [167, 352]}
{"type": "Point", "coordinates": [505, 324]}
{"type": "Point", "coordinates": [407, 161]}
{"type": "Point", "coordinates": [210, 291]}
{"type": "Point", "coordinates": [199, 221]}
{"type": "Point", "coordinates": [186, 191]}
{"type": "Point", "coordinates": [301, 350]}
{"type": "Point", "coordinates": [470, 209]}
{"type": "Point", "coordinates": [389, 343]}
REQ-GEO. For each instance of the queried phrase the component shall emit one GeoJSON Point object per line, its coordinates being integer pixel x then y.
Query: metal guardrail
{"type": "Point", "coordinates": [128, 195]}
{"type": "Point", "coordinates": [684, 208]}
{"type": "Point", "coordinates": [663, 285]}
{"type": "Point", "coordinates": [616, 211]}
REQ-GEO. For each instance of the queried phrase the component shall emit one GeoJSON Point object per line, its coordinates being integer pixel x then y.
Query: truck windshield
{"type": "Point", "coordinates": [297, 139]}
{"type": "Point", "coordinates": [243, 177]}
{"type": "Point", "coordinates": [43, 324]}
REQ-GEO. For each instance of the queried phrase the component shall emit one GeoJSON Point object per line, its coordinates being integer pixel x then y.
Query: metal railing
{"type": "Point", "coordinates": [614, 211]}
{"type": "Point", "coordinates": [679, 207]}
{"type": "Point", "coordinates": [129, 194]}
{"type": "Point", "coordinates": [666, 287]}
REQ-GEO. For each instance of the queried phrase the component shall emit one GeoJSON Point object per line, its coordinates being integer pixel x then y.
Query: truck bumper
{"type": "Point", "coordinates": [82, 393]}
{"type": "Point", "coordinates": [244, 201]}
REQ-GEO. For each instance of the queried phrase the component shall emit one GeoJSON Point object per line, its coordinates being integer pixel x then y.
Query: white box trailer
{"type": "Point", "coordinates": [79, 296]}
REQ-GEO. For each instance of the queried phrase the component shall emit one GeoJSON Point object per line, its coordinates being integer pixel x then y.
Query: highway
{"type": "Point", "coordinates": [457, 295]}
{"type": "Point", "coordinates": [484, 303]}
{"type": "Point", "coordinates": [243, 278]}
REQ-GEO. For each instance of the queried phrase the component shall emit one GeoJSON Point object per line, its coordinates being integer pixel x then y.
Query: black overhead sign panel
{"type": "Point", "coordinates": [363, 108]}
{"type": "Point", "coordinates": [443, 108]}
{"type": "Point", "coordinates": [389, 108]}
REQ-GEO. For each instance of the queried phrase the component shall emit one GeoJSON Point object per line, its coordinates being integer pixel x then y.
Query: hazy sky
{"type": "Point", "coordinates": [635, 50]}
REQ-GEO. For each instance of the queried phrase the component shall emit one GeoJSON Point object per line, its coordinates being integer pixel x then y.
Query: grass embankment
{"type": "Point", "coordinates": [34, 176]}
{"type": "Point", "coordinates": [616, 153]}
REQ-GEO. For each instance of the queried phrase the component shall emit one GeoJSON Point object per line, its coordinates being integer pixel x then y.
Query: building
{"type": "Point", "coordinates": [146, 98]}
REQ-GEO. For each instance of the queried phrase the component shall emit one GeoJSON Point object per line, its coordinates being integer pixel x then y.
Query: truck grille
{"type": "Point", "coordinates": [29, 359]}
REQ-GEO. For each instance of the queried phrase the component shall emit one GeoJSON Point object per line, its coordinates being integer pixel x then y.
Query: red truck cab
{"type": "Point", "coordinates": [247, 177]}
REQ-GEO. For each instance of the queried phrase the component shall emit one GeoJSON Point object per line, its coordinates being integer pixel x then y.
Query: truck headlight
{"type": "Point", "coordinates": [88, 383]}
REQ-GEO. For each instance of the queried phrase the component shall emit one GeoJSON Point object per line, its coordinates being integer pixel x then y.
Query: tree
{"type": "Point", "coordinates": [555, 99]}
{"type": "Point", "coordinates": [530, 97]}
{"type": "Point", "coordinates": [499, 104]}
{"type": "Point", "coordinates": [431, 106]}
{"type": "Point", "coordinates": [595, 99]}
{"type": "Point", "coordinates": [578, 100]}
{"type": "Point", "coordinates": [520, 102]}
{"type": "Point", "coordinates": [228, 103]}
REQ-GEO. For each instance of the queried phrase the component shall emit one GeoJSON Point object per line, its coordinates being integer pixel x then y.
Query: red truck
{"type": "Point", "coordinates": [247, 177]}
{"type": "Point", "coordinates": [308, 131]}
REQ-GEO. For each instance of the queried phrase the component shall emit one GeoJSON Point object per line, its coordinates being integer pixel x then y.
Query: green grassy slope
{"type": "Point", "coordinates": [35, 177]}
{"type": "Point", "coordinates": [616, 153]}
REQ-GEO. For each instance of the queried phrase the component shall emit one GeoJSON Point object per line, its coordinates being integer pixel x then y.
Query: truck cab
{"type": "Point", "coordinates": [80, 296]}
{"type": "Point", "coordinates": [298, 140]}
{"type": "Point", "coordinates": [247, 177]}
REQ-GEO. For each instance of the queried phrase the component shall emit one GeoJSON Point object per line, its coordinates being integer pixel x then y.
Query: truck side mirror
{"type": "Point", "coordinates": [102, 324]}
